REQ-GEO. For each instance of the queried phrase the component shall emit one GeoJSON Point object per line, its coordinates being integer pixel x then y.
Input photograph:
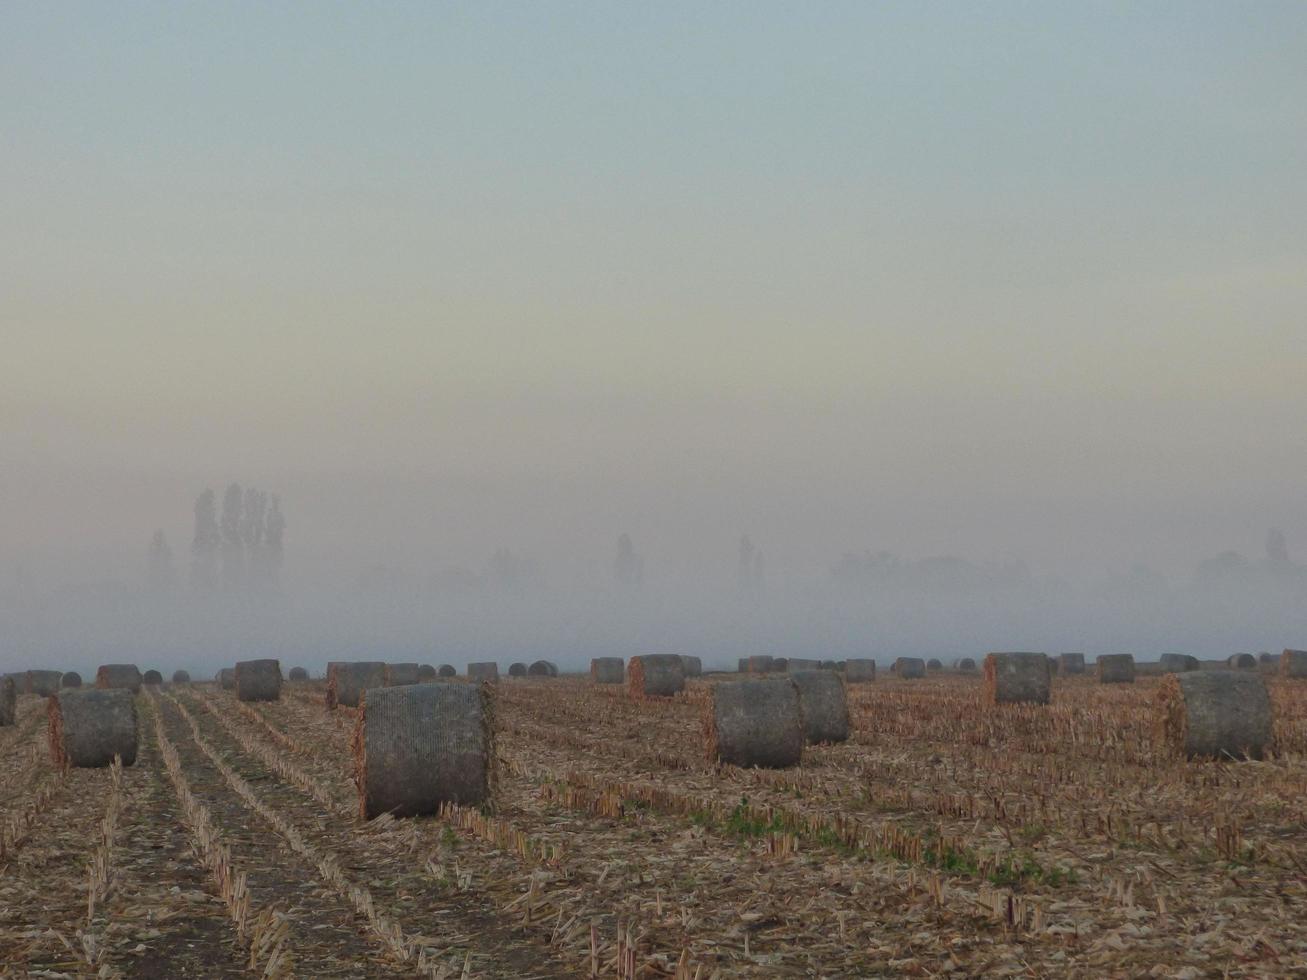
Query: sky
{"type": "Point", "coordinates": [1012, 281]}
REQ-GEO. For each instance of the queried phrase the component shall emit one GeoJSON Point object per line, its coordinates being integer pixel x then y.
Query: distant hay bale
{"type": "Point", "coordinates": [227, 678]}
{"type": "Point", "coordinates": [517, 670]}
{"type": "Point", "coordinates": [426, 674]}
{"type": "Point", "coordinates": [1071, 663]}
{"type": "Point", "coordinates": [346, 681]}
{"type": "Point", "coordinates": [542, 668]}
{"type": "Point", "coordinates": [762, 664]}
{"type": "Point", "coordinates": [421, 745]}
{"type": "Point", "coordinates": [487, 671]}
{"type": "Point", "coordinates": [658, 675]}
{"type": "Point", "coordinates": [152, 678]}
{"type": "Point", "coordinates": [859, 670]}
{"type": "Point", "coordinates": [742, 665]}
{"type": "Point", "coordinates": [1215, 714]}
{"type": "Point", "coordinates": [692, 666]}
{"type": "Point", "coordinates": [1242, 661]}
{"type": "Point", "coordinates": [1116, 668]}
{"type": "Point", "coordinates": [8, 700]}
{"type": "Point", "coordinates": [780, 665]}
{"type": "Point", "coordinates": [795, 664]}
{"type": "Point", "coordinates": [607, 670]}
{"type": "Point", "coordinates": [1017, 678]}
{"type": "Point", "coordinates": [118, 676]}
{"type": "Point", "coordinates": [823, 706]}
{"type": "Point", "coordinates": [298, 674]}
{"type": "Point", "coordinates": [754, 723]}
{"type": "Point", "coordinates": [258, 680]}
{"type": "Point", "coordinates": [828, 665]}
{"type": "Point", "coordinates": [964, 665]}
{"type": "Point", "coordinates": [181, 677]}
{"type": "Point", "coordinates": [88, 728]}
{"type": "Point", "coordinates": [933, 665]}
{"type": "Point", "coordinates": [909, 668]}
{"type": "Point", "coordinates": [1052, 667]}
{"type": "Point", "coordinates": [1178, 663]}
{"type": "Point", "coordinates": [72, 679]}
{"type": "Point", "coordinates": [1293, 663]}
{"type": "Point", "coordinates": [446, 671]}
{"type": "Point", "coordinates": [401, 675]}
{"type": "Point", "coordinates": [1264, 659]}
{"type": "Point", "coordinates": [43, 683]}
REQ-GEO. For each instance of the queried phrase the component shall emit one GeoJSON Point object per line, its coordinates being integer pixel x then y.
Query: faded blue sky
{"type": "Point", "coordinates": [999, 279]}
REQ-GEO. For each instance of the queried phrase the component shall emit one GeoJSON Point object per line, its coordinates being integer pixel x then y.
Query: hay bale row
{"type": "Point", "coordinates": [258, 680]}
{"type": "Point", "coordinates": [227, 678]}
{"type": "Point", "coordinates": [823, 706]}
{"type": "Point", "coordinates": [1215, 714]}
{"type": "Point", "coordinates": [795, 664]}
{"type": "Point", "coordinates": [1071, 663]}
{"type": "Point", "coordinates": [43, 683]}
{"type": "Point", "coordinates": [118, 677]}
{"type": "Point", "coordinates": [542, 668]}
{"type": "Point", "coordinates": [72, 679]}
{"type": "Point", "coordinates": [909, 668]}
{"type": "Point", "coordinates": [421, 745]}
{"type": "Point", "coordinates": [88, 728]}
{"type": "Point", "coordinates": [1116, 668]}
{"type": "Point", "coordinates": [1178, 663]}
{"type": "Point", "coordinates": [181, 677]}
{"type": "Point", "coordinates": [401, 675]}
{"type": "Point", "coordinates": [8, 700]}
{"type": "Point", "coordinates": [607, 670]}
{"type": "Point", "coordinates": [346, 681]}
{"type": "Point", "coordinates": [487, 671]}
{"type": "Point", "coordinates": [691, 666]}
{"type": "Point", "coordinates": [658, 675]}
{"type": "Point", "coordinates": [1293, 663]}
{"type": "Point", "coordinates": [1017, 678]}
{"type": "Point", "coordinates": [860, 671]}
{"type": "Point", "coordinates": [754, 723]}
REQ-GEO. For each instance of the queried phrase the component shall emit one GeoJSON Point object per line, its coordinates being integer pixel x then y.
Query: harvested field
{"type": "Point", "coordinates": [941, 837]}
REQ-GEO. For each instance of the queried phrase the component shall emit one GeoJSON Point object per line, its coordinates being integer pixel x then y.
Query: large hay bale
{"type": "Point", "coordinates": [964, 665]}
{"type": "Point", "coordinates": [742, 665]}
{"type": "Point", "coordinates": [43, 683]}
{"type": "Point", "coordinates": [1216, 714]}
{"type": "Point", "coordinates": [298, 674]}
{"type": "Point", "coordinates": [346, 682]}
{"type": "Point", "coordinates": [426, 674]}
{"type": "Point", "coordinates": [607, 670]}
{"type": "Point", "coordinates": [822, 705]}
{"type": "Point", "coordinates": [118, 676]}
{"type": "Point", "coordinates": [152, 678]}
{"type": "Point", "coordinates": [859, 670]}
{"type": "Point", "coordinates": [542, 668]}
{"type": "Point", "coordinates": [258, 680]}
{"type": "Point", "coordinates": [754, 723]}
{"type": "Point", "coordinates": [8, 700]}
{"type": "Point", "coordinates": [1293, 663]}
{"type": "Point", "coordinates": [517, 670]}
{"type": "Point", "coordinates": [401, 675]}
{"type": "Point", "coordinates": [227, 678]}
{"type": "Point", "coordinates": [1017, 678]}
{"type": "Point", "coordinates": [72, 679]}
{"type": "Point", "coordinates": [658, 675]}
{"type": "Point", "coordinates": [795, 664]}
{"type": "Point", "coordinates": [1242, 661]}
{"type": "Point", "coordinates": [1071, 663]}
{"type": "Point", "coordinates": [181, 677]}
{"type": "Point", "coordinates": [88, 728]}
{"type": "Point", "coordinates": [692, 666]}
{"type": "Point", "coordinates": [1178, 663]}
{"type": "Point", "coordinates": [933, 665]}
{"type": "Point", "coordinates": [1116, 668]}
{"type": "Point", "coordinates": [421, 745]}
{"type": "Point", "coordinates": [446, 670]}
{"type": "Point", "coordinates": [487, 671]}
{"type": "Point", "coordinates": [761, 664]}
{"type": "Point", "coordinates": [909, 668]}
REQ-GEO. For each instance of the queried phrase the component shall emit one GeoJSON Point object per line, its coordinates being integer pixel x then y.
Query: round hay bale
{"type": "Point", "coordinates": [1215, 714]}
{"type": "Point", "coordinates": [1017, 678]}
{"type": "Point", "coordinates": [1071, 663]}
{"type": "Point", "coordinates": [8, 700]}
{"type": "Point", "coordinates": [822, 705]}
{"type": "Point", "coordinates": [487, 671]}
{"type": "Point", "coordinates": [421, 745]}
{"type": "Point", "coordinates": [153, 678]}
{"type": "Point", "coordinates": [298, 674]}
{"type": "Point", "coordinates": [446, 671]}
{"type": "Point", "coordinates": [909, 668]}
{"type": "Point", "coordinates": [779, 665]}
{"type": "Point", "coordinates": [692, 666]}
{"type": "Point", "coordinates": [542, 668]}
{"type": "Point", "coordinates": [1178, 663]}
{"type": "Point", "coordinates": [227, 678]}
{"type": "Point", "coordinates": [401, 675]}
{"type": "Point", "coordinates": [829, 665]}
{"type": "Point", "coordinates": [1242, 661]}
{"type": "Point", "coordinates": [517, 670]}
{"type": "Point", "coordinates": [1293, 663]}
{"type": "Point", "coordinates": [795, 664]}
{"type": "Point", "coordinates": [742, 665]}
{"type": "Point", "coordinates": [43, 683]}
{"type": "Point", "coordinates": [754, 723]}
{"type": "Point", "coordinates": [346, 681]}
{"type": "Point", "coordinates": [607, 670]}
{"type": "Point", "coordinates": [1116, 668]}
{"type": "Point", "coordinates": [118, 676]}
{"type": "Point", "coordinates": [1264, 659]}
{"type": "Point", "coordinates": [72, 679]}
{"type": "Point", "coordinates": [933, 665]}
{"type": "Point", "coordinates": [964, 665]}
{"type": "Point", "coordinates": [88, 728]}
{"type": "Point", "coordinates": [258, 680]}
{"type": "Point", "coordinates": [657, 675]}
{"type": "Point", "coordinates": [181, 677]}
{"type": "Point", "coordinates": [426, 674]}
{"type": "Point", "coordinates": [860, 670]}
{"type": "Point", "coordinates": [763, 665]}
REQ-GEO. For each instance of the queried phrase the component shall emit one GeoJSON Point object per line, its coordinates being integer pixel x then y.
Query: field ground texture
{"type": "Point", "coordinates": [946, 837]}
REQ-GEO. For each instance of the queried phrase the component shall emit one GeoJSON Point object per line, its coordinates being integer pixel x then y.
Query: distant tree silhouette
{"type": "Point", "coordinates": [628, 567]}
{"type": "Point", "coordinates": [749, 566]}
{"type": "Point", "coordinates": [204, 543]}
{"type": "Point", "coordinates": [274, 531]}
{"type": "Point", "coordinates": [1277, 550]}
{"type": "Point", "coordinates": [158, 564]}
{"type": "Point", "coordinates": [233, 549]}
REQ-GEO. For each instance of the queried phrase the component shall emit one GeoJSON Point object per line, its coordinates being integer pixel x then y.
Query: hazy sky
{"type": "Point", "coordinates": [993, 280]}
